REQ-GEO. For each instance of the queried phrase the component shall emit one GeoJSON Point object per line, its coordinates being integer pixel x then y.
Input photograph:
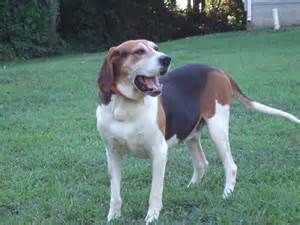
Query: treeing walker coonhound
{"type": "Point", "coordinates": [143, 114]}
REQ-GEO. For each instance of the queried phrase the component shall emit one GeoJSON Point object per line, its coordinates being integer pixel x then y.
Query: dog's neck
{"type": "Point", "coordinates": [124, 109]}
{"type": "Point", "coordinates": [127, 90]}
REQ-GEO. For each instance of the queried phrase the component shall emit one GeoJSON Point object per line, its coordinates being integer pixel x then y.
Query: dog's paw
{"type": "Point", "coordinates": [113, 214]}
{"type": "Point", "coordinates": [227, 192]}
{"type": "Point", "coordinates": [196, 179]}
{"type": "Point", "coordinates": [192, 182]}
{"type": "Point", "coordinates": [152, 216]}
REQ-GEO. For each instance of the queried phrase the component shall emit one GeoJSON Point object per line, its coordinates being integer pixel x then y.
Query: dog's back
{"type": "Point", "coordinates": [182, 97]}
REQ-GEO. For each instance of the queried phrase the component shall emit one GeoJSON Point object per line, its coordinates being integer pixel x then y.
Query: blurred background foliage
{"type": "Point", "coordinates": [36, 28]}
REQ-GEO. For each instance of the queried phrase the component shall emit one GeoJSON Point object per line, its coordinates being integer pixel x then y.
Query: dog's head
{"type": "Point", "coordinates": [133, 68]}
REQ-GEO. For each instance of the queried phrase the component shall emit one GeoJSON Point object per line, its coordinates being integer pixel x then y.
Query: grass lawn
{"type": "Point", "coordinates": [53, 165]}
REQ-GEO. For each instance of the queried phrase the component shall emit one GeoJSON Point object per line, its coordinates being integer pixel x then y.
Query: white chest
{"type": "Point", "coordinates": [128, 128]}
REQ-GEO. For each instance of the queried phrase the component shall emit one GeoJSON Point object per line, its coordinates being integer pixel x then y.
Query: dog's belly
{"type": "Point", "coordinates": [133, 143]}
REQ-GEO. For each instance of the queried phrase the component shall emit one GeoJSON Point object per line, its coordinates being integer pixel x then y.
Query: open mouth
{"type": "Point", "coordinates": [148, 85]}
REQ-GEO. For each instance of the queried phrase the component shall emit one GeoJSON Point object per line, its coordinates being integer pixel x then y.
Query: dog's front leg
{"type": "Point", "coordinates": [159, 160]}
{"type": "Point", "coordinates": [114, 163]}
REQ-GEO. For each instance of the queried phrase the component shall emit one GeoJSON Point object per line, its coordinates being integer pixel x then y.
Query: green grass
{"type": "Point", "coordinates": [53, 166]}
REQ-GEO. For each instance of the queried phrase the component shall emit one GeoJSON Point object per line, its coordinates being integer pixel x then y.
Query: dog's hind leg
{"type": "Point", "coordinates": [218, 127]}
{"type": "Point", "coordinates": [200, 163]}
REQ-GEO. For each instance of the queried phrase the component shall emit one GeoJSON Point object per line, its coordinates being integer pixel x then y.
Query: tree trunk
{"type": "Point", "coordinates": [189, 5]}
{"type": "Point", "coordinates": [196, 4]}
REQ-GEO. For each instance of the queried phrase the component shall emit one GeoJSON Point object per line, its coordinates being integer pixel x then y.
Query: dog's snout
{"type": "Point", "coordinates": [165, 60]}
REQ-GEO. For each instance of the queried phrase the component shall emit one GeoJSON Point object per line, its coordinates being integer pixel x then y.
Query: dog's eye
{"type": "Point", "coordinates": [140, 51]}
{"type": "Point", "coordinates": [156, 48]}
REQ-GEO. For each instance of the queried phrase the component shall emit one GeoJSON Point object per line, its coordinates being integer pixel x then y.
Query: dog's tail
{"type": "Point", "coordinates": [258, 106]}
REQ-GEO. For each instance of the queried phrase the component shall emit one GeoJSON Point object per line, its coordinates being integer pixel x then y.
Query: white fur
{"type": "Point", "coordinates": [148, 66]}
{"type": "Point", "coordinates": [272, 111]}
{"type": "Point", "coordinates": [200, 163]}
{"type": "Point", "coordinates": [130, 127]}
{"type": "Point", "coordinates": [172, 141]}
{"type": "Point", "coordinates": [218, 127]}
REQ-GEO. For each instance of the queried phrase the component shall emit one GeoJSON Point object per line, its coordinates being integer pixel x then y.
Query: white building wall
{"type": "Point", "coordinates": [261, 12]}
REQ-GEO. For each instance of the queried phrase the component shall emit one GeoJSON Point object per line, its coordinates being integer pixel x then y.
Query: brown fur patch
{"type": "Point", "coordinates": [106, 76]}
{"type": "Point", "coordinates": [239, 94]}
{"type": "Point", "coordinates": [218, 88]}
{"type": "Point", "coordinates": [161, 116]}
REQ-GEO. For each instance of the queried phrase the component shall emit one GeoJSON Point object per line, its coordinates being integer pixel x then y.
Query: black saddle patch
{"type": "Point", "coordinates": [181, 98]}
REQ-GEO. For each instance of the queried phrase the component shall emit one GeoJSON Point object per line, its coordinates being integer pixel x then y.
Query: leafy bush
{"type": "Point", "coordinates": [32, 28]}
{"type": "Point", "coordinates": [27, 29]}
{"type": "Point", "coordinates": [94, 25]}
{"type": "Point", "coordinates": [225, 16]}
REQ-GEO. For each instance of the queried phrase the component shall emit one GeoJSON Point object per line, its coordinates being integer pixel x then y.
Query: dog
{"type": "Point", "coordinates": [145, 110]}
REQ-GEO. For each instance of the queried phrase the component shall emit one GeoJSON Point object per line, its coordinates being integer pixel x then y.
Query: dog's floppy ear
{"type": "Point", "coordinates": [106, 76]}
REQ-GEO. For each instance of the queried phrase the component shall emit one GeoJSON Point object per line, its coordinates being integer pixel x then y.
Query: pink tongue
{"type": "Point", "coordinates": [152, 83]}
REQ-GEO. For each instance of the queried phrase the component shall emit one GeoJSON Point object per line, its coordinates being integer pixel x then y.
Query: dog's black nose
{"type": "Point", "coordinates": [165, 60]}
